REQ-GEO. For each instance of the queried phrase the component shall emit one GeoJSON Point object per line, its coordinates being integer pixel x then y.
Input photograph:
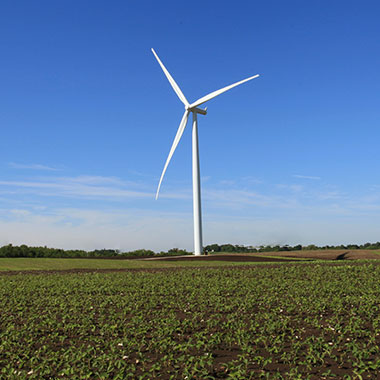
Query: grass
{"type": "Point", "coordinates": [22, 264]}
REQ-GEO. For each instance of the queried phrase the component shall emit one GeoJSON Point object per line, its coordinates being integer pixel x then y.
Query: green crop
{"type": "Point", "coordinates": [317, 321]}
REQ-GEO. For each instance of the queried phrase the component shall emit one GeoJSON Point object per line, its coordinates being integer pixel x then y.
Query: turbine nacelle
{"type": "Point", "coordinates": [196, 110]}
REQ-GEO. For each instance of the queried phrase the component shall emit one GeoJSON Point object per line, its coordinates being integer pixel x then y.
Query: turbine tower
{"type": "Point", "coordinates": [193, 108]}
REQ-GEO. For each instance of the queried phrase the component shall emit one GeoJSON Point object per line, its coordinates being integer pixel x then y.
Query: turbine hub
{"type": "Point", "coordinates": [198, 110]}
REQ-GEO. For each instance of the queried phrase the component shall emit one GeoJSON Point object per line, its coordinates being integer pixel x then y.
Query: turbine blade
{"type": "Point", "coordinates": [172, 81]}
{"type": "Point", "coordinates": [177, 137]}
{"type": "Point", "coordinates": [212, 95]}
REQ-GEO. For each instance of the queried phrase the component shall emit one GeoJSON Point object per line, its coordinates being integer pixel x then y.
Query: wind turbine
{"type": "Point", "coordinates": [193, 108]}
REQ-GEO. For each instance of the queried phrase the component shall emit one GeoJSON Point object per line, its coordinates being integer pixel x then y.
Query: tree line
{"type": "Point", "coordinates": [277, 248]}
{"type": "Point", "coordinates": [26, 251]}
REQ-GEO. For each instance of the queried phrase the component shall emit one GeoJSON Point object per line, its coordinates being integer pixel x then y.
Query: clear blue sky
{"type": "Point", "coordinates": [87, 119]}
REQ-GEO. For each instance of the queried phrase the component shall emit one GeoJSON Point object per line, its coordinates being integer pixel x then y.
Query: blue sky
{"type": "Point", "coordinates": [87, 119]}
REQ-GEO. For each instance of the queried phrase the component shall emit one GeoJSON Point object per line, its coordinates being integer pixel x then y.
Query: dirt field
{"type": "Point", "coordinates": [332, 254]}
{"type": "Point", "coordinates": [50, 266]}
{"type": "Point", "coordinates": [287, 255]}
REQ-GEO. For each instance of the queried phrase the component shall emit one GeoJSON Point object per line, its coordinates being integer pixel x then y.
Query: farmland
{"type": "Point", "coordinates": [104, 264]}
{"type": "Point", "coordinates": [277, 321]}
{"type": "Point", "coordinates": [49, 264]}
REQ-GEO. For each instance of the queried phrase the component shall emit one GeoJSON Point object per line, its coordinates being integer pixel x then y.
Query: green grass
{"type": "Point", "coordinates": [20, 264]}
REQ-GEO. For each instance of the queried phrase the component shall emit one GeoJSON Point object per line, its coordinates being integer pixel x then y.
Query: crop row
{"type": "Point", "coordinates": [285, 322]}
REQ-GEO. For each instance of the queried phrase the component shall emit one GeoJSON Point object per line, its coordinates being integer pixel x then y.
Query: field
{"type": "Point", "coordinates": [312, 320]}
{"type": "Point", "coordinates": [85, 264]}
{"type": "Point", "coordinates": [31, 265]}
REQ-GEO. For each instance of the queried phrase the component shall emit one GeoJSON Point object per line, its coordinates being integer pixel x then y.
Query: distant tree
{"type": "Point", "coordinates": [310, 247]}
{"type": "Point", "coordinates": [25, 251]}
{"type": "Point", "coordinates": [139, 252]}
{"type": "Point", "coordinates": [213, 248]}
{"type": "Point", "coordinates": [175, 252]}
{"type": "Point", "coordinates": [227, 248]}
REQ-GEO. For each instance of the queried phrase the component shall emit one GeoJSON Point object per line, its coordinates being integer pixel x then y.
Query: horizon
{"type": "Point", "coordinates": [88, 118]}
{"type": "Point", "coordinates": [260, 248]}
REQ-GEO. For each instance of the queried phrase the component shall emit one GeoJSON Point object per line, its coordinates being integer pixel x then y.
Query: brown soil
{"type": "Point", "coordinates": [332, 254]}
{"type": "Point", "coordinates": [328, 254]}
{"type": "Point", "coordinates": [312, 256]}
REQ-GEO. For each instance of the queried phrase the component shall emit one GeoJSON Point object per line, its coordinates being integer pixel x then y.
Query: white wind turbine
{"type": "Point", "coordinates": [193, 107]}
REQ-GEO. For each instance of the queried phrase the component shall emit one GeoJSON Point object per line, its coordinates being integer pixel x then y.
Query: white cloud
{"type": "Point", "coordinates": [227, 182]}
{"type": "Point", "coordinates": [306, 177]}
{"type": "Point", "coordinates": [19, 212]}
{"type": "Point", "coordinates": [295, 188]}
{"type": "Point", "coordinates": [243, 198]}
{"type": "Point", "coordinates": [88, 187]}
{"type": "Point", "coordinates": [91, 229]}
{"type": "Point", "coordinates": [133, 229]}
{"type": "Point", "coordinates": [91, 180]}
{"type": "Point", "coordinates": [252, 180]}
{"type": "Point", "coordinates": [51, 211]}
{"type": "Point", "coordinates": [83, 186]}
{"type": "Point", "coordinates": [32, 166]}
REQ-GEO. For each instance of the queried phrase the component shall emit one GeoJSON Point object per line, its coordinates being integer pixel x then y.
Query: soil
{"type": "Point", "coordinates": [328, 254]}
{"type": "Point", "coordinates": [312, 256]}
{"type": "Point", "coordinates": [331, 254]}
